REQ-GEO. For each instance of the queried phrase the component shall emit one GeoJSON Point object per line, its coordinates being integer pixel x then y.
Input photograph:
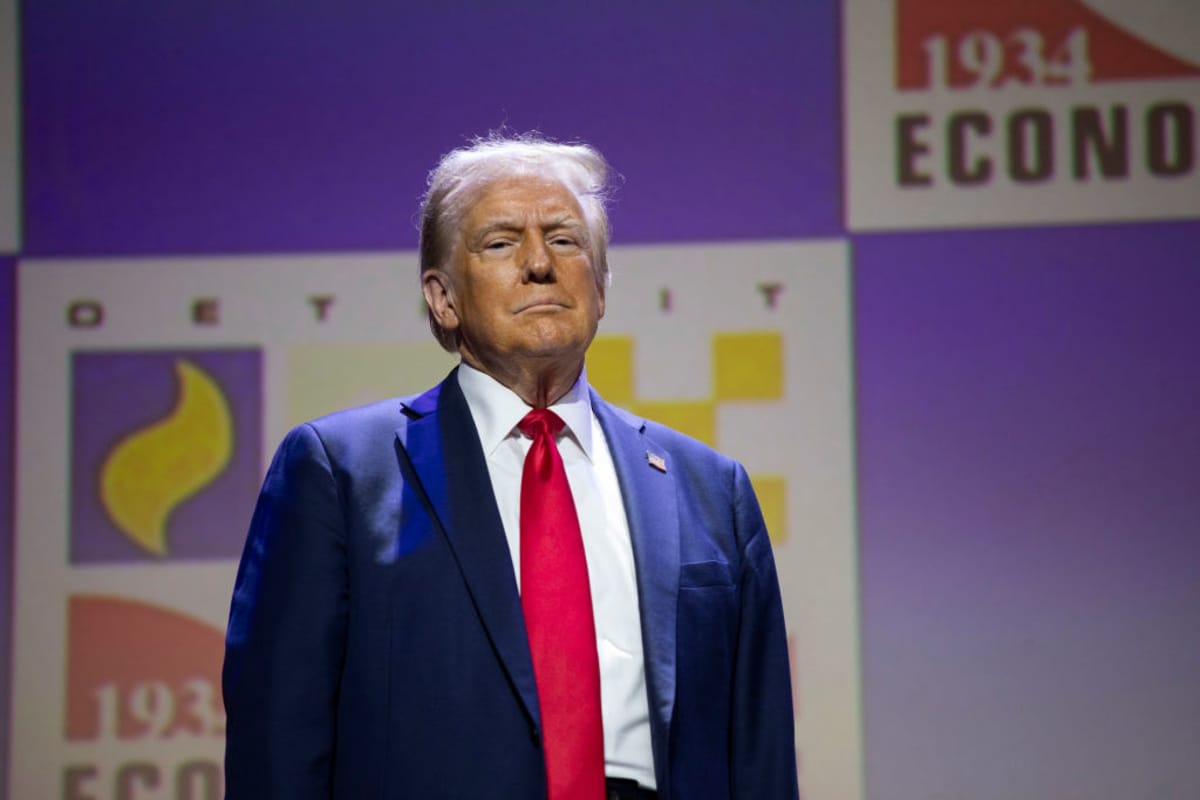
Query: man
{"type": "Point", "coordinates": [505, 587]}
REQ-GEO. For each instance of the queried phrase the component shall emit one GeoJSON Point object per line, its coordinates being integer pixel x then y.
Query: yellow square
{"type": "Point", "coordinates": [610, 368]}
{"type": "Point", "coordinates": [748, 366]}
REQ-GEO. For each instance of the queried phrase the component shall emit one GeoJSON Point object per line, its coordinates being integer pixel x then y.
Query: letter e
{"type": "Point", "coordinates": [73, 783]}
{"type": "Point", "coordinates": [908, 149]}
{"type": "Point", "coordinates": [205, 311]}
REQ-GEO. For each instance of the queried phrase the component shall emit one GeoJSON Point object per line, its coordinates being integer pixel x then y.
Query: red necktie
{"type": "Point", "coordinates": [557, 601]}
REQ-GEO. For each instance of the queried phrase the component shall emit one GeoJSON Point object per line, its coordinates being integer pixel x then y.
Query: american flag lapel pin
{"type": "Point", "coordinates": [656, 461]}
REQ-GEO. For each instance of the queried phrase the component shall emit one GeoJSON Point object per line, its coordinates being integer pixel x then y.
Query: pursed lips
{"type": "Point", "coordinates": [542, 303]}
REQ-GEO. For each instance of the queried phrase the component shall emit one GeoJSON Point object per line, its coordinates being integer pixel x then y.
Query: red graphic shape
{"type": "Point", "coordinates": [1114, 53]}
{"type": "Point", "coordinates": [137, 671]}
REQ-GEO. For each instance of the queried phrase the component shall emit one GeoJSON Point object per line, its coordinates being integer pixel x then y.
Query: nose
{"type": "Point", "coordinates": [537, 260]}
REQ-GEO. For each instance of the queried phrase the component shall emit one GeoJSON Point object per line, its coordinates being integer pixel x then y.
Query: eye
{"type": "Point", "coordinates": [563, 241]}
{"type": "Point", "coordinates": [498, 245]}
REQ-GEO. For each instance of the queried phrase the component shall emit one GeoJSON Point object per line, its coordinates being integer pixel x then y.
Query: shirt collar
{"type": "Point", "coordinates": [497, 409]}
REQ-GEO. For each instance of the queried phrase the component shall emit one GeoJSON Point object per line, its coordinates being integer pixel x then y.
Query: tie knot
{"type": "Point", "coordinates": [541, 422]}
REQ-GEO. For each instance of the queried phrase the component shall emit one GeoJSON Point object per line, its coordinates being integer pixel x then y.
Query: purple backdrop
{"type": "Point", "coordinates": [1029, 446]}
{"type": "Point", "coordinates": [231, 126]}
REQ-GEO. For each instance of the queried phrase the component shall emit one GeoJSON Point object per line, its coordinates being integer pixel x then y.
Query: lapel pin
{"type": "Point", "coordinates": [656, 461]}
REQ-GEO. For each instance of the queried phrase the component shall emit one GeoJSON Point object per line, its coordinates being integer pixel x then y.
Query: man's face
{"type": "Point", "coordinates": [520, 290]}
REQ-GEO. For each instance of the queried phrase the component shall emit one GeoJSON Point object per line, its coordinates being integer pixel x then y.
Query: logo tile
{"type": "Point", "coordinates": [166, 445]}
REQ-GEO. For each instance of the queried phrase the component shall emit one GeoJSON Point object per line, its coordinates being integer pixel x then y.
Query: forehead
{"type": "Point", "coordinates": [521, 199]}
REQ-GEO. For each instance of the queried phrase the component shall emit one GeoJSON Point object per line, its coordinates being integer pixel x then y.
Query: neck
{"type": "Point", "coordinates": [538, 384]}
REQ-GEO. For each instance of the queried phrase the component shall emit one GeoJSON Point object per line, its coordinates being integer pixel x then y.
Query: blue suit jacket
{"type": "Point", "coordinates": [376, 646]}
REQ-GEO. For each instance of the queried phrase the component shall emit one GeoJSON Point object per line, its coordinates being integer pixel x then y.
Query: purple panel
{"type": "Point", "coordinates": [189, 126]}
{"type": "Point", "coordinates": [119, 395]}
{"type": "Point", "coordinates": [8, 329]}
{"type": "Point", "coordinates": [1029, 456]}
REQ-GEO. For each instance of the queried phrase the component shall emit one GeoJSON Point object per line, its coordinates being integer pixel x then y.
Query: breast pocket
{"type": "Point", "coordinates": [702, 574]}
{"type": "Point", "coordinates": [707, 607]}
{"type": "Point", "coordinates": [707, 628]}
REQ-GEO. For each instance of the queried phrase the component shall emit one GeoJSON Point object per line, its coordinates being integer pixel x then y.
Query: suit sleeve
{"type": "Point", "coordinates": [763, 757]}
{"type": "Point", "coordinates": [286, 636]}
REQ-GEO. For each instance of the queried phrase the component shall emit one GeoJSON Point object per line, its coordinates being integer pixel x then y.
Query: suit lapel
{"type": "Point", "coordinates": [648, 488]}
{"type": "Point", "coordinates": [442, 446]}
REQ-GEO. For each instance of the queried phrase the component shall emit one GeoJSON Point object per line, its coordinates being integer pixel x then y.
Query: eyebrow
{"type": "Point", "coordinates": [513, 224]}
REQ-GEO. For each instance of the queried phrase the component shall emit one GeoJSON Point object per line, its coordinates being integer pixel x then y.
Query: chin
{"type": "Point", "coordinates": [557, 347]}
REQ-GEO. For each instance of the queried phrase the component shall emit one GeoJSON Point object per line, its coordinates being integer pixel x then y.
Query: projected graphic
{"type": "Point", "coordinates": [171, 421]}
{"type": "Point", "coordinates": [143, 707]}
{"type": "Point", "coordinates": [745, 367]}
{"type": "Point", "coordinates": [1010, 113]}
{"type": "Point", "coordinates": [161, 439]}
{"type": "Point", "coordinates": [137, 672]}
{"type": "Point", "coordinates": [1065, 43]}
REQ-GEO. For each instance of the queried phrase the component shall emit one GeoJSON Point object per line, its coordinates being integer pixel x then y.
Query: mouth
{"type": "Point", "coordinates": [541, 304]}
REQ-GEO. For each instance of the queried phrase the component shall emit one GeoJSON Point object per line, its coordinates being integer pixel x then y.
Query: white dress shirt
{"type": "Point", "coordinates": [496, 410]}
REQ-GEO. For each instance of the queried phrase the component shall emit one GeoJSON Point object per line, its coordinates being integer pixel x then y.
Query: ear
{"type": "Point", "coordinates": [601, 290]}
{"type": "Point", "coordinates": [439, 297]}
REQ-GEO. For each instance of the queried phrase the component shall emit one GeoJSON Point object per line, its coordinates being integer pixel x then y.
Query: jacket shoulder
{"type": "Point", "coordinates": [677, 446]}
{"type": "Point", "coordinates": [355, 437]}
{"type": "Point", "coordinates": [379, 417]}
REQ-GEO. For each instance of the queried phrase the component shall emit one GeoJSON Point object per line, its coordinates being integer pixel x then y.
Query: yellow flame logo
{"type": "Point", "coordinates": [151, 471]}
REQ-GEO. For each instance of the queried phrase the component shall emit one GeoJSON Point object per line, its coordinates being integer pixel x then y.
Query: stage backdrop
{"type": "Point", "coordinates": [929, 270]}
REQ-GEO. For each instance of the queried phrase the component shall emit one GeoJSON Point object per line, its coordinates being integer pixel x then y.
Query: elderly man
{"type": "Point", "coordinates": [505, 587]}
